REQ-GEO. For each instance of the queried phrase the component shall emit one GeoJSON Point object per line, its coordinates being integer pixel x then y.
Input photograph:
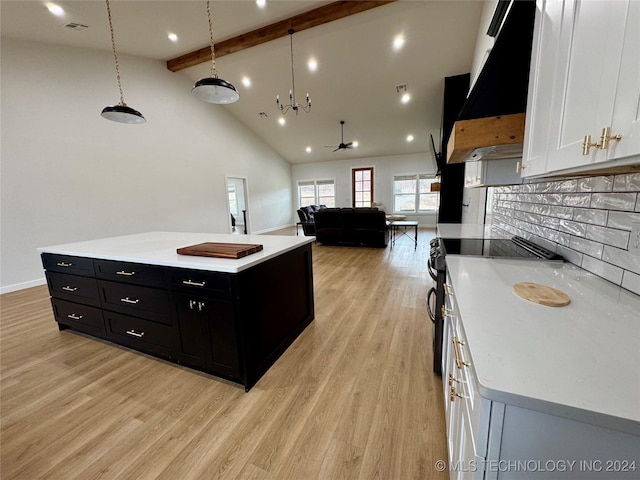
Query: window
{"type": "Point", "coordinates": [233, 201]}
{"type": "Point", "coordinates": [317, 192]}
{"type": "Point", "coordinates": [412, 190]}
{"type": "Point", "coordinates": [362, 187]}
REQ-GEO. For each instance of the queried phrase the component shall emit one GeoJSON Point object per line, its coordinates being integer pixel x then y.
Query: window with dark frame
{"type": "Point", "coordinates": [362, 187]}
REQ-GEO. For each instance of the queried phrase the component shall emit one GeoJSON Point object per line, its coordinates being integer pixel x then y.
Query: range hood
{"type": "Point", "coordinates": [490, 124]}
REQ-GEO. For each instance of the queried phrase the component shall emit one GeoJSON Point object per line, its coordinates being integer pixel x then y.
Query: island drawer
{"type": "Point", "coordinates": [147, 302]}
{"type": "Point", "coordinates": [68, 264]}
{"type": "Point", "coordinates": [140, 334]}
{"type": "Point", "coordinates": [70, 313]}
{"type": "Point", "coordinates": [73, 288]}
{"type": "Point", "coordinates": [212, 284]}
{"type": "Point", "coordinates": [137, 273]}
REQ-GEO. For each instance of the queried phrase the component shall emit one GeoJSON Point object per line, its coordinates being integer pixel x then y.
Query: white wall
{"type": "Point", "coordinates": [384, 170]}
{"type": "Point", "coordinates": [69, 175]}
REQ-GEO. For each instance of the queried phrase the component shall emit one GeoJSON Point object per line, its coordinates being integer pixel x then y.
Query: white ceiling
{"type": "Point", "coordinates": [357, 74]}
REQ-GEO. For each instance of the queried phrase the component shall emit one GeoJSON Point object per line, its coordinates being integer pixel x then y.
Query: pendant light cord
{"type": "Point", "coordinates": [115, 55]}
{"type": "Point", "coordinates": [293, 79]}
{"type": "Point", "coordinates": [214, 72]}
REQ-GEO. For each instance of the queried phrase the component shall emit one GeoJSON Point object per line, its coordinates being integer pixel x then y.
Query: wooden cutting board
{"type": "Point", "coordinates": [542, 294]}
{"type": "Point", "coordinates": [220, 250]}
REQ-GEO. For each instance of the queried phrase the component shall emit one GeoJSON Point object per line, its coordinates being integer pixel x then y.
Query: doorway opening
{"type": "Point", "coordinates": [237, 200]}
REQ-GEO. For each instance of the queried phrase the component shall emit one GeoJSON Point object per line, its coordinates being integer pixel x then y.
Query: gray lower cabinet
{"type": "Point", "coordinates": [234, 326]}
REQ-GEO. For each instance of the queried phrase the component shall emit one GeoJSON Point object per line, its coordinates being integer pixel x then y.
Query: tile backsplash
{"type": "Point", "coordinates": [586, 220]}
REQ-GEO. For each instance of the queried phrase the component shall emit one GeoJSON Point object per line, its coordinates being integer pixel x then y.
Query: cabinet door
{"type": "Point", "coordinates": [586, 76]}
{"type": "Point", "coordinates": [626, 111]}
{"type": "Point", "coordinates": [192, 329]}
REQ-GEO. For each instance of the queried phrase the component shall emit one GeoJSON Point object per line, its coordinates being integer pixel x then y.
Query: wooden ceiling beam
{"type": "Point", "coordinates": [303, 21]}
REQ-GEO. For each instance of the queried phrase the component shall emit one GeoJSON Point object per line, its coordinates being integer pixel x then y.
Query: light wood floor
{"type": "Point", "coordinates": [353, 398]}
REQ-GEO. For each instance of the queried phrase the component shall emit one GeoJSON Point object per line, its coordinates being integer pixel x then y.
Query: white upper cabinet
{"type": "Point", "coordinates": [585, 77]}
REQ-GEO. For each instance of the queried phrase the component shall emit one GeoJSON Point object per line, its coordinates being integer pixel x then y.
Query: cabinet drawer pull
{"type": "Point", "coordinates": [73, 316]}
{"type": "Point", "coordinates": [456, 351]}
{"type": "Point", "coordinates": [445, 312]}
{"type": "Point", "coordinates": [194, 284]}
{"type": "Point", "coordinates": [128, 274]}
{"type": "Point", "coordinates": [453, 394]}
{"type": "Point", "coordinates": [130, 300]}
{"type": "Point", "coordinates": [69, 288]}
{"type": "Point", "coordinates": [64, 264]}
{"type": "Point", "coordinates": [135, 334]}
{"type": "Point", "coordinates": [447, 290]}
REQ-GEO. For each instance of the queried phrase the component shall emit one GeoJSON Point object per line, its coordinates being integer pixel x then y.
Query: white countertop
{"type": "Point", "coordinates": [581, 361]}
{"type": "Point", "coordinates": [159, 248]}
{"type": "Point", "coordinates": [468, 230]}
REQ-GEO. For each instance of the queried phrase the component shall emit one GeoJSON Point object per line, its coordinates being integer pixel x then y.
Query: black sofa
{"type": "Point", "coordinates": [352, 226]}
{"type": "Point", "coordinates": [307, 218]}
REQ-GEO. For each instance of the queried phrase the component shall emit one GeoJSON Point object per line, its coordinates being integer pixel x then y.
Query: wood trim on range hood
{"type": "Point", "coordinates": [487, 138]}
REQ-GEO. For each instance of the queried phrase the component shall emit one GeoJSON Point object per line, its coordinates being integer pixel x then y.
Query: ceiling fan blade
{"type": "Point", "coordinates": [337, 149]}
{"type": "Point", "coordinates": [348, 145]}
{"type": "Point", "coordinates": [329, 146]}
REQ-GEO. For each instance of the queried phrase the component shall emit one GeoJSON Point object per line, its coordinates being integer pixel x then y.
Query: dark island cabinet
{"type": "Point", "coordinates": [232, 325]}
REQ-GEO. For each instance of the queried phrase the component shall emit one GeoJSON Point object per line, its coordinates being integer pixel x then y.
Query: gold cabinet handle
{"type": "Point", "coordinates": [606, 137]}
{"type": "Point", "coordinates": [456, 351]}
{"type": "Point", "coordinates": [453, 394]}
{"type": "Point", "coordinates": [586, 145]}
{"type": "Point", "coordinates": [452, 379]}
{"type": "Point", "coordinates": [447, 290]}
{"type": "Point", "coordinates": [520, 166]}
{"type": "Point", "coordinates": [445, 312]}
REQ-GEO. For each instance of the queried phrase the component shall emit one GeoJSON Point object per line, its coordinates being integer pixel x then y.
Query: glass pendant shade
{"type": "Point", "coordinates": [215, 90]}
{"type": "Point", "coordinates": [122, 114]}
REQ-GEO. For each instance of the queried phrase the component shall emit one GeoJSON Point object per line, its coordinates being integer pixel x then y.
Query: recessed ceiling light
{"type": "Point", "coordinates": [57, 10]}
{"type": "Point", "coordinates": [405, 98]}
{"type": "Point", "coordinates": [308, 149]}
{"type": "Point", "coordinates": [261, 3]}
{"type": "Point", "coordinates": [398, 42]}
{"type": "Point", "coordinates": [246, 81]}
{"type": "Point", "coordinates": [355, 144]}
{"type": "Point", "coordinates": [312, 64]}
{"type": "Point", "coordinates": [409, 138]}
{"type": "Point", "coordinates": [282, 121]}
{"type": "Point", "coordinates": [173, 37]}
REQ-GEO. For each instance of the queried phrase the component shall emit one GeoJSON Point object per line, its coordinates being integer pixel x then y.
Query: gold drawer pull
{"type": "Point", "coordinates": [194, 284]}
{"type": "Point", "coordinates": [69, 288]}
{"type": "Point", "coordinates": [447, 290]}
{"type": "Point", "coordinates": [130, 300]}
{"type": "Point", "coordinates": [64, 264]}
{"type": "Point", "coordinates": [453, 394]}
{"type": "Point", "coordinates": [456, 351]}
{"type": "Point", "coordinates": [135, 334]}
{"type": "Point", "coordinates": [452, 379]}
{"type": "Point", "coordinates": [128, 274]}
{"type": "Point", "coordinates": [445, 312]}
{"type": "Point", "coordinates": [606, 137]}
{"type": "Point", "coordinates": [73, 316]}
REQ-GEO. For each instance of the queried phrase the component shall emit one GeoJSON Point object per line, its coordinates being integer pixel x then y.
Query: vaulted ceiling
{"type": "Point", "coordinates": [358, 69]}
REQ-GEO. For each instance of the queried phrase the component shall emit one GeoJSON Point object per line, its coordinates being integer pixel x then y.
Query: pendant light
{"type": "Point", "coordinates": [121, 112]}
{"type": "Point", "coordinates": [213, 89]}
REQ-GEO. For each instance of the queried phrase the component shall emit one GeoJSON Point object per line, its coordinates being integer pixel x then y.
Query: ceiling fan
{"type": "Point", "coordinates": [342, 146]}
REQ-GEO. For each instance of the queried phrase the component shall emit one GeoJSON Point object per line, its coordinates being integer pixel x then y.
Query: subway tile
{"type": "Point", "coordinates": [576, 199]}
{"type": "Point", "coordinates": [570, 255]}
{"type": "Point", "coordinates": [590, 215]}
{"type": "Point", "coordinates": [609, 236]}
{"type": "Point", "coordinates": [614, 201]}
{"type": "Point", "coordinates": [638, 204]}
{"type": "Point", "coordinates": [631, 281]}
{"type": "Point", "coordinates": [561, 212]}
{"type": "Point", "coordinates": [550, 222]}
{"type": "Point", "coordinates": [595, 184]}
{"type": "Point", "coordinates": [629, 182]}
{"type": "Point", "coordinates": [587, 247]}
{"type": "Point", "coordinates": [563, 239]}
{"type": "Point", "coordinates": [623, 220]}
{"type": "Point", "coordinates": [603, 269]}
{"type": "Point", "coordinates": [574, 228]}
{"type": "Point", "coordinates": [551, 198]}
{"type": "Point", "coordinates": [543, 187]}
{"type": "Point", "coordinates": [566, 186]}
{"type": "Point", "coordinates": [622, 259]}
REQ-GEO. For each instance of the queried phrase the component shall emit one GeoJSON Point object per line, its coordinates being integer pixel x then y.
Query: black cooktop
{"type": "Point", "coordinates": [516, 247]}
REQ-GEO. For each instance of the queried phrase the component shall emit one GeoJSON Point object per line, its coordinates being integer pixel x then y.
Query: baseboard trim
{"type": "Point", "coordinates": [21, 286]}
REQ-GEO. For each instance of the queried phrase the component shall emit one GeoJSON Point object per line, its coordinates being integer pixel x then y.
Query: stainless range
{"type": "Point", "coordinates": [515, 247]}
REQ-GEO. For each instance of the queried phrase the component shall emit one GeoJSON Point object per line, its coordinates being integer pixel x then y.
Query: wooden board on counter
{"type": "Point", "coordinates": [542, 294]}
{"type": "Point", "coordinates": [220, 250]}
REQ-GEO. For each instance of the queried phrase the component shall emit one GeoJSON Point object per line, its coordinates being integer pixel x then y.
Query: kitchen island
{"type": "Point", "coordinates": [228, 317]}
{"type": "Point", "coordinates": [529, 386]}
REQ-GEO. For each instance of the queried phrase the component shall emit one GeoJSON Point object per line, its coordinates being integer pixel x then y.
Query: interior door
{"type": "Point", "coordinates": [237, 200]}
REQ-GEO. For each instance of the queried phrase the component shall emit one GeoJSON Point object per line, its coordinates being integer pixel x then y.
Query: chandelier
{"type": "Point", "coordinates": [293, 105]}
{"type": "Point", "coordinates": [213, 89]}
{"type": "Point", "coordinates": [121, 112]}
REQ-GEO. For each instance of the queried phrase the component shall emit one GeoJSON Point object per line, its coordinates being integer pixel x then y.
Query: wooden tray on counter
{"type": "Point", "coordinates": [220, 250]}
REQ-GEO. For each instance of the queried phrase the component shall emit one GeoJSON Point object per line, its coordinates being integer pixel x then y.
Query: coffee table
{"type": "Point", "coordinates": [402, 227]}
